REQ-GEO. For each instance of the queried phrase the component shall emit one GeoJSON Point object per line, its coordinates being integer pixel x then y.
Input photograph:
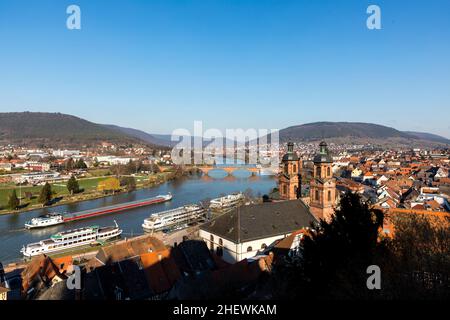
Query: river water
{"type": "Point", "coordinates": [184, 190]}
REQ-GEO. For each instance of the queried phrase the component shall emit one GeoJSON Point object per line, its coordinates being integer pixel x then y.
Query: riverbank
{"type": "Point", "coordinates": [82, 254]}
{"type": "Point", "coordinates": [91, 193]}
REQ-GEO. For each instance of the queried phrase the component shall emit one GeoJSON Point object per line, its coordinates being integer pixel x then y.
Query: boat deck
{"type": "Point", "coordinates": [113, 208]}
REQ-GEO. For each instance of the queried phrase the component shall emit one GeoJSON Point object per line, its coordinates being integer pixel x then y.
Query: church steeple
{"type": "Point", "coordinates": [290, 148]}
{"type": "Point", "coordinates": [323, 186]}
{"type": "Point", "coordinates": [289, 180]}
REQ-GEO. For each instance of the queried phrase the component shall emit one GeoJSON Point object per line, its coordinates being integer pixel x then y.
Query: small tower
{"type": "Point", "coordinates": [289, 180]}
{"type": "Point", "coordinates": [323, 185]}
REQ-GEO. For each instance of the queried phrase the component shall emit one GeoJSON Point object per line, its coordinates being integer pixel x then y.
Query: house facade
{"type": "Point", "coordinates": [249, 230]}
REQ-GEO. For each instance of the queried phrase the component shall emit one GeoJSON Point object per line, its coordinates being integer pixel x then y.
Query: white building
{"type": "Point", "coordinates": [37, 177]}
{"type": "Point", "coordinates": [441, 173]}
{"type": "Point", "coordinates": [381, 180]}
{"type": "Point", "coordinates": [247, 231]}
{"type": "Point", "coordinates": [65, 153]}
{"type": "Point", "coordinates": [5, 166]}
{"type": "Point", "coordinates": [113, 160]}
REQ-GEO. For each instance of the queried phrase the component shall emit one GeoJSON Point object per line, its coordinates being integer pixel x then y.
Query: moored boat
{"type": "Point", "coordinates": [71, 239]}
{"type": "Point", "coordinates": [116, 208]}
{"type": "Point", "coordinates": [226, 201]}
{"type": "Point", "coordinates": [173, 217]}
{"type": "Point", "coordinates": [47, 220]}
{"type": "Point", "coordinates": [53, 219]}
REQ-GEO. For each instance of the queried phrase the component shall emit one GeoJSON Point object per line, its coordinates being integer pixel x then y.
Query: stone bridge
{"type": "Point", "coordinates": [229, 169]}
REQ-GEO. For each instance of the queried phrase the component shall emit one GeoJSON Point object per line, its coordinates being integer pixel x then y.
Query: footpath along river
{"type": "Point", "coordinates": [184, 190]}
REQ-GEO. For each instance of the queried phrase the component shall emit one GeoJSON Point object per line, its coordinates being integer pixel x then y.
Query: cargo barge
{"type": "Point", "coordinates": [68, 217]}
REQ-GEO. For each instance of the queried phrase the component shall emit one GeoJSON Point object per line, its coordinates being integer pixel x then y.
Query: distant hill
{"type": "Point", "coordinates": [326, 130]}
{"type": "Point", "coordinates": [153, 138]}
{"type": "Point", "coordinates": [428, 136]}
{"type": "Point", "coordinates": [157, 139]}
{"type": "Point", "coordinates": [339, 132]}
{"type": "Point", "coordinates": [57, 129]}
{"type": "Point", "coordinates": [357, 132]}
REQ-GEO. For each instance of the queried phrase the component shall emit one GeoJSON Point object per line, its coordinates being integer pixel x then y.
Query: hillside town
{"type": "Point", "coordinates": [229, 253]}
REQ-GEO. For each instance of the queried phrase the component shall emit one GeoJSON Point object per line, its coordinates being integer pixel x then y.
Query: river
{"type": "Point", "coordinates": [185, 190]}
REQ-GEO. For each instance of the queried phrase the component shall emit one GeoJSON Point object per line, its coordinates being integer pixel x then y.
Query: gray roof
{"type": "Point", "coordinates": [323, 158]}
{"type": "Point", "coordinates": [261, 221]}
{"type": "Point", "coordinates": [290, 157]}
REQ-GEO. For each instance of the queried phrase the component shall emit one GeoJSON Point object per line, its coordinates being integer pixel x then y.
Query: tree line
{"type": "Point", "coordinates": [414, 262]}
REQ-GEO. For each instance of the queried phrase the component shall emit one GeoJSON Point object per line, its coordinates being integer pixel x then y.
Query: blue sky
{"type": "Point", "coordinates": [160, 65]}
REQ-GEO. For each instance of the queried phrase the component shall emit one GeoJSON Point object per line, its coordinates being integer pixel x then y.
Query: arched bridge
{"type": "Point", "coordinates": [229, 169]}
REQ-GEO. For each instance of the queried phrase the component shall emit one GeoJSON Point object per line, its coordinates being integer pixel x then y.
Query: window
{"type": "Point", "coordinates": [294, 168]}
{"type": "Point", "coordinates": [249, 249]}
{"type": "Point", "coordinates": [284, 189]}
{"type": "Point", "coordinates": [328, 172]}
{"type": "Point", "coordinates": [329, 195]}
{"type": "Point", "coordinates": [318, 172]}
{"type": "Point", "coordinates": [317, 195]}
{"type": "Point", "coordinates": [211, 244]}
{"type": "Point", "coordinates": [220, 242]}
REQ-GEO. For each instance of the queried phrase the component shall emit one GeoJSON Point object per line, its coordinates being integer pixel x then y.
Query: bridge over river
{"type": "Point", "coordinates": [230, 169]}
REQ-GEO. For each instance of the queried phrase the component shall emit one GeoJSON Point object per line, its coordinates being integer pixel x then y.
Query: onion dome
{"type": "Point", "coordinates": [323, 156]}
{"type": "Point", "coordinates": [290, 155]}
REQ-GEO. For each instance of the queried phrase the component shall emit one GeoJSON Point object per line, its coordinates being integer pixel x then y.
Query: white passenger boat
{"type": "Point", "coordinates": [48, 220]}
{"type": "Point", "coordinates": [71, 239]}
{"type": "Point", "coordinates": [173, 217]}
{"type": "Point", "coordinates": [226, 202]}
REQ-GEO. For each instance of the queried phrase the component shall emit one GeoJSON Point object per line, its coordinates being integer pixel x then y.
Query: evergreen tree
{"type": "Point", "coordinates": [13, 201]}
{"type": "Point", "coordinates": [46, 194]}
{"type": "Point", "coordinates": [80, 164]}
{"type": "Point", "coordinates": [72, 185]}
{"type": "Point", "coordinates": [69, 164]}
{"type": "Point", "coordinates": [335, 256]}
{"type": "Point", "coordinates": [129, 183]}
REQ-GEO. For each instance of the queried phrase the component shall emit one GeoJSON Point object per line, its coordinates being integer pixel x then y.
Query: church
{"type": "Point", "coordinates": [248, 231]}
{"type": "Point", "coordinates": [322, 188]}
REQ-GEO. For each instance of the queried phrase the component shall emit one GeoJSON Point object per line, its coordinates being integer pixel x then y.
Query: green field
{"type": "Point", "coordinates": [89, 186]}
{"type": "Point", "coordinates": [59, 189]}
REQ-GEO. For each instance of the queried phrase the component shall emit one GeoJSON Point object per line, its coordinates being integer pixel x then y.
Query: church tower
{"type": "Point", "coordinates": [289, 180]}
{"type": "Point", "coordinates": [323, 185]}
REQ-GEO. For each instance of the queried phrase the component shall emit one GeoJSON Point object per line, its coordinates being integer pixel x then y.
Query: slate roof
{"type": "Point", "coordinates": [261, 221]}
{"type": "Point", "coordinates": [130, 248]}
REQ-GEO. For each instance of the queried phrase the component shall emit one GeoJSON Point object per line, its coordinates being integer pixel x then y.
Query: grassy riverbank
{"type": "Point", "coordinates": [60, 192]}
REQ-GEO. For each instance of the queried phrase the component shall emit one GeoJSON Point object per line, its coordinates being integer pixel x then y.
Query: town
{"type": "Point", "coordinates": [210, 159]}
{"type": "Point", "coordinates": [108, 168]}
{"type": "Point", "coordinates": [310, 183]}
